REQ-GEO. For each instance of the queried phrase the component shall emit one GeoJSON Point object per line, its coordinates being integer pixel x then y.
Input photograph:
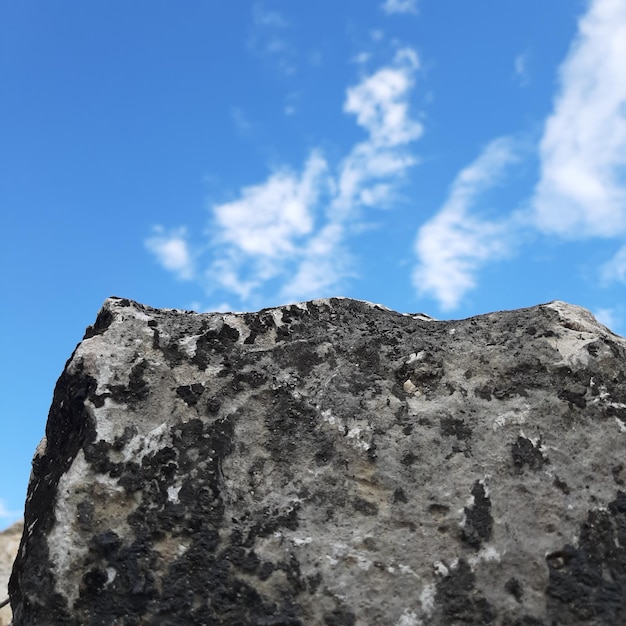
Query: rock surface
{"type": "Point", "coordinates": [331, 463]}
{"type": "Point", "coordinates": [9, 543]}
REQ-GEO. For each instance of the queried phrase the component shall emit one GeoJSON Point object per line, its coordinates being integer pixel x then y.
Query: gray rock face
{"type": "Point", "coordinates": [9, 543]}
{"type": "Point", "coordinates": [331, 463]}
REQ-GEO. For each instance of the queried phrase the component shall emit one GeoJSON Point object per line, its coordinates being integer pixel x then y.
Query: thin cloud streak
{"type": "Point", "coordinates": [366, 178]}
{"type": "Point", "coordinates": [400, 6]}
{"type": "Point", "coordinates": [522, 72]}
{"type": "Point", "coordinates": [267, 39]}
{"type": "Point", "coordinates": [582, 189]}
{"type": "Point", "coordinates": [453, 245]}
{"type": "Point", "coordinates": [381, 106]}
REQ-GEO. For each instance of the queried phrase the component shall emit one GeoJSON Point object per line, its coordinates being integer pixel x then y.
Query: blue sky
{"type": "Point", "coordinates": [453, 158]}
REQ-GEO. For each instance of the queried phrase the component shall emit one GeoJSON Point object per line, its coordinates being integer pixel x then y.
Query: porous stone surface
{"type": "Point", "coordinates": [331, 463]}
{"type": "Point", "coordinates": [9, 543]}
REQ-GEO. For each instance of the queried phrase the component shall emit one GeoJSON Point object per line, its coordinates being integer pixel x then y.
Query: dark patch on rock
{"type": "Point", "coordinates": [325, 453]}
{"type": "Point", "coordinates": [617, 412]}
{"type": "Point", "coordinates": [425, 372]}
{"type": "Point", "coordinates": [137, 389]}
{"type": "Point", "coordinates": [408, 459]}
{"type": "Point", "coordinates": [439, 511]}
{"type": "Point", "coordinates": [103, 321]}
{"type": "Point", "coordinates": [524, 453]}
{"type": "Point", "coordinates": [478, 520]}
{"type": "Point", "coordinates": [171, 351]}
{"type": "Point", "coordinates": [587, 582]}
{"type": "Point", "coordinates": [399, 496]}
{"type": "Point", "coordinates": [364, 507]}
{"type": "Point", "coordinates": [459, 602]}
{"type": "Point", "coordinates": [190, 394]}
{"type": "Point", "coordinates": [529, 620]}
{"type": "Point", "coordinates": [340, 617]}
{"type": "Point", "coordinates": [120, 442]}
{"type": "Point", "coordinates": [575, 395]}
{"type": "Point", "coordinates": [125, 302]}
{"type": "Point", "coordinates": [562, 485]}
{"type": "Point", "coordinates": [213, 343]}
{"type": "Point", "coordinates": [450, 426]}
{"type": "Point", "coordinates": [514, 587]}
{"type": "Point", "coordinates": [302, 356]}
{"type": "Point", "coordinates": [484, 392]}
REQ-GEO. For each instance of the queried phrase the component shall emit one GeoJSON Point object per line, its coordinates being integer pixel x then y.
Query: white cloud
{"type": "Point", "coordinates": [454, 244]}
{"type": "Point", "coordinates": [289, 232]}
{"type": "Point", "coordinates": [367, 176]}
{"type": "Point", "coordinates": [268, 226]}
{"type": "Point", "coordinates": [269, 218]}
{"type": "Point", "coordinates": [582, 188]}
{"type": "Point", "coordinates": [400, 6]}
{"type": "Point", "coordinates": [381, 106]}
{"type": "Point", "coordinates": [380, 101]}
{"type": "Point", "coordinates": [172, 251]}
{"type": "Point", "coordinates": [325, 263]}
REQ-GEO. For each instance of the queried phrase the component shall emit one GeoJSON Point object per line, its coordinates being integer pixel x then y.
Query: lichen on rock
{"type": "Point", "coordinates": [334, 463]}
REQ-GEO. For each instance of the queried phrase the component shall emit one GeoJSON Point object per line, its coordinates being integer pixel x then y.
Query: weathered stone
{"type": "Point", "coordinates": [331, 463]}
{"type": "Point", "coordinates": [9, 543]}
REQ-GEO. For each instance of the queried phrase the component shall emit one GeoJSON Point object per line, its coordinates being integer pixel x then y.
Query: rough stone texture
{"type": "Point", "coordinates": [9, 543]}
{"type": "Point", "coordinates": [331, 463]}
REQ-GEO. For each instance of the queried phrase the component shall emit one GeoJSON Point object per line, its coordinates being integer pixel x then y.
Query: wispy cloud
{"type": "Point", "coordinates": [268, 38]}
{"type": "Point", "coordinates": [520, 67]}
{"type": "Point", "coordinates": [324, 264]}
{"type": "Point", "coordinates": [364, 178]}
{"type": "Point", "coordinates": [172, 251]}
{"type": "Point", "coordinates": [381, 105]}
{"type": "Point", "coordinates": [400, 6]}
{"type": "Point", "coordinates": [582, 188]}
{"type": "Point", "coordinates": [453, 245]}
{"type": "Point", "coordinates": [289, 234]}
{"type": "Point", "coordinates": [265, 226]}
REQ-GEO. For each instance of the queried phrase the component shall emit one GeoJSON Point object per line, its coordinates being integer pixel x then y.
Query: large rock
{"type": "Point", "coordinates": [9, 543]}
{"type": "Point", "coordinates": [331, 463]}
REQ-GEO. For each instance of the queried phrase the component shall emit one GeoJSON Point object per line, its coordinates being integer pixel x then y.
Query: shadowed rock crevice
{"type": "Point", "coordinates": [331, 463]}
